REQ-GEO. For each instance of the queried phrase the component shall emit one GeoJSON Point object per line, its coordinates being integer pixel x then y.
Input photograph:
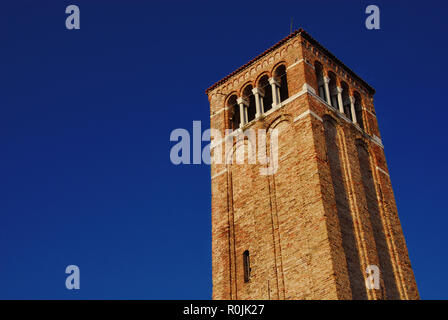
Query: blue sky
{"type": "Point", "coordinates": [86, 116]}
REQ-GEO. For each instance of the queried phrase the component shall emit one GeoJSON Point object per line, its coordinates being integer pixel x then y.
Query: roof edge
{"type": "Point", "coordinates": [308, 37]}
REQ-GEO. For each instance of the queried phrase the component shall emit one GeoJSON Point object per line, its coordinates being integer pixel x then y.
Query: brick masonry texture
{"type": "Point", "coordinates": [329, 212]}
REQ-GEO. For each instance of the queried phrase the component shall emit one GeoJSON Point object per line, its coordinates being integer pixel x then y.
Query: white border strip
{"type": "Point", "coordinates": [381, 170]}
{"type": "Point", "coordinates": [294, 64]}
{"type": "Point", "coordinates": [307, 112]}
{"type": "Point", "coordinates": [364, 108]}
{"type": "Point", "coordinates": [306, 88]}
{"type": "Point", "coordinates": [373, 138]}
{"type": "Point", "coordinates": [220, 173]}
{"type": "Point", "coordinates": [218, 112]}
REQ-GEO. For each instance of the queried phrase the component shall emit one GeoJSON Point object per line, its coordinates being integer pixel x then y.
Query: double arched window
{"type": "Point", "coordinates": [253, 102]}
{"type": "Point", "coordinates": [338, 97]}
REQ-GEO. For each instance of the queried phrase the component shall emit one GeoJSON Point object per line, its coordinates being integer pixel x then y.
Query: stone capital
{"type": "Point", "coordinates": [243, 101]}
{"type": "Point", "coordinates": [259, 91]}
{"type": "Point", "coordinates": [274, 81]}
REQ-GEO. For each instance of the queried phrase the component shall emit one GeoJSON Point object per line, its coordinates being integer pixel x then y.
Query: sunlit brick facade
{"type": "Point", "coordinates": [310, 230]}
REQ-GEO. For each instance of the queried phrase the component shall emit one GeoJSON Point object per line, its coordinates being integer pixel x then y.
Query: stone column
{"type": "Point", "coordinates": [258, 93]}
{"type": "Point", "coordinates": [243, 111]}
{"type": "Point", "coordinates": [352, 108]}
{"type": "Point", "coordinates": [275, 97]}
{"type": "Point", "coordinates": [327, 90]}
{"type": "Point", "coordinates": [340, 103]}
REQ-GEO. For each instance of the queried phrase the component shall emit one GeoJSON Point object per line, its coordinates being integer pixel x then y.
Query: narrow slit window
{"type": "Point", "coordinates": [246, 262]}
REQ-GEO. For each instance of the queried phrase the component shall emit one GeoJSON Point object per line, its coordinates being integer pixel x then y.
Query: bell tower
{"type": "Point", "coordinates": [323, 224]}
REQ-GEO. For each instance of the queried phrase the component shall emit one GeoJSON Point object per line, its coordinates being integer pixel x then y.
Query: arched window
{"type": "Point", "coordinates": [358, 109]}
{"type": "Point", "coordinates": [264, 85]}
{"type": "Point", "coordinates": [333, 91]}
{"type": "Point", "coordinates": [246, 265]}
{"type": "Point", "coordinates": [250, 99]}
{"type": "Point", "coordinates": [234, 112]}
{"type": "Point", "coordinates": [320, 80]}
{"type": "Point", "coordinates": [346, 100]}
{"type": "Point", "coordinates": [280, 75]}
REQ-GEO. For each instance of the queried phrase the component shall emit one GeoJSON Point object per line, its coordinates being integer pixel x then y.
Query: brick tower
{"type": "Point", "coordinates": [319, 226]}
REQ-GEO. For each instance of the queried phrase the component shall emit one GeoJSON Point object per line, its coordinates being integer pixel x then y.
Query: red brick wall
{"type": "Point", "coordinates": [314, 226]}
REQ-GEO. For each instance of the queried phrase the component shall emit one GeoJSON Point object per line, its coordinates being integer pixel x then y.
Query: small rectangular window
{"type": "Point", "coordinates": [246, 263]}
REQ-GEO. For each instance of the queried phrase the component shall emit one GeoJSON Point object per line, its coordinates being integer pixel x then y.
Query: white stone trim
{"type": "Point", "coordinates": [294, 64]}
{"type": "Point", "coordinates": [306, 88]}
{"type": "Point", "coordinates": [234, 133]}
{"type": "Point", "coordinates": [259, 91]}
{"type": "Point", "coordinates": [304, 114]}
{"type": "Point", "coordinates": [383, 171]}
{"type": "Point", "coordinates": [219, 111]}
{"type": "Point", "coordinates": [242, 100]}
{"type": "Point", "coordinates": [219, 173]}
{"type": "Point", "coordinates": [373, 138]}
{"type": "Point", "coordinates": [273, 109]}
{"type": "Point", "coordinates": [273, 81]}
{"type": "Point", "coordinates": [377, 140]}
{"type": "Point", "coordinates": [364, 108]}
{"type": "Point", "coordinates": [344, 116]}
{"type": "Point", "coordinates": [290, 99]}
